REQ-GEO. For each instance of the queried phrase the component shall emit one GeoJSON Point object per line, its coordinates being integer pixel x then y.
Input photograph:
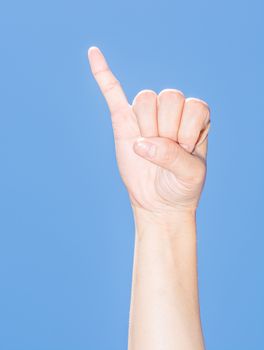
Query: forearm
{"type": "Point", "coordinates": [164, 313]}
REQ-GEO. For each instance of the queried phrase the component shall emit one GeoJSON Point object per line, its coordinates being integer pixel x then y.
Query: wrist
{"type": "Point", "coordinates": [177, 222]}
{"type": "Point", "coordinates": [169, 239]}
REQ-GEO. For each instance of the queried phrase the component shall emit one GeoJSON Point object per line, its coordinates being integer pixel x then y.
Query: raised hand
{"type": "Point", "coordinates": [160, 140]}
{"type": "Point", "coordinates": [161, 145]}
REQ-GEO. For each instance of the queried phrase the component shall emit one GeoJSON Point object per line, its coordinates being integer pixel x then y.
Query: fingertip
{"type": "Point", "coordinates": [137, 143]}
{"type": "Point", "coordinates": [145, 148]}
{"type": "Point", "coordinates": [91, 48]}
{"type": "Point", "coordinates": [96, 59]}
{"type": "Point", "coordinates": [93, 52]}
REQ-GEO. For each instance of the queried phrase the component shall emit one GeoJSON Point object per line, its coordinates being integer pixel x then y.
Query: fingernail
{"type": "Point", "coordinates": [146, 148]}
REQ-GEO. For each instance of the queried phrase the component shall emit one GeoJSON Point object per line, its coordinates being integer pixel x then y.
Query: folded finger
{"type": "Point", "coordinates": [194, 120]}
{"type": "Point", "coordinates": [145, 108]}
{"type": "Point", "coordinates": [170, 106]}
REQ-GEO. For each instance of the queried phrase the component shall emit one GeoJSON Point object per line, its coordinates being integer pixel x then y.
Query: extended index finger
{"type": "Point", "coordinates": [108, 83]}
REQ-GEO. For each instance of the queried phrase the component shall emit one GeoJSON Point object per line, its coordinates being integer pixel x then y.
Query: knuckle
{"type": "Point", "coordinates": [110, 86]}
{"type": "Point", "coordinates": [171, 93]}
{"type": "Point", "coordinates": [198, 103]}
{"type": "Point", "coordinates": [198, 110]}
{"type": "Point", "coordinates": [101, 71]}
{"type": "Point", "coordinates": [145, 95]}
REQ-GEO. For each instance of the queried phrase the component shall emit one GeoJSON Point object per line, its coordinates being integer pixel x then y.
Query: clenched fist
{"type": "Point", "coordinates": [160, 140]}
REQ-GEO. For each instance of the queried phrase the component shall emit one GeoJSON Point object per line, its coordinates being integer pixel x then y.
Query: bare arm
{"type": "Point", "coordinates": [161, 146]}
{"type": "Point", "coordinates": [164, 311]}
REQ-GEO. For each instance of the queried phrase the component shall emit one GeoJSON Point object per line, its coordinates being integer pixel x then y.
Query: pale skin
{"type": "Point", "coordinates": [161, 142]}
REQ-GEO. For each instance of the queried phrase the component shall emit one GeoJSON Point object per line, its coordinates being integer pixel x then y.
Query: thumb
{"type": "Point", "coordinates": [170, 155]}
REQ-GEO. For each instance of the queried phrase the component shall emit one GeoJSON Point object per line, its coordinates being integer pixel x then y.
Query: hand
{"type": "Point", "coordinates": [160, 140]}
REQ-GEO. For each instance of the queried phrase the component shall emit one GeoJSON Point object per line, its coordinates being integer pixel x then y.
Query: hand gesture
{"type": "Point", "coordinates": [160, 141]}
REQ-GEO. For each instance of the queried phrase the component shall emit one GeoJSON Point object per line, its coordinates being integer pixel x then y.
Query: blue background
{"type": "Point", "coordinates": [66, 240]}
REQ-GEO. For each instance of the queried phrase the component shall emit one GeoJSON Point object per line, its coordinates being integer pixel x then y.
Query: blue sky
{"type": "Point", "coordinates": [66, 273]}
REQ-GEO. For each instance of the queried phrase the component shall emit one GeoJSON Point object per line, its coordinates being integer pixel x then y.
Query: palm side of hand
{"type": "Point", "coordinates": [172, 128]}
